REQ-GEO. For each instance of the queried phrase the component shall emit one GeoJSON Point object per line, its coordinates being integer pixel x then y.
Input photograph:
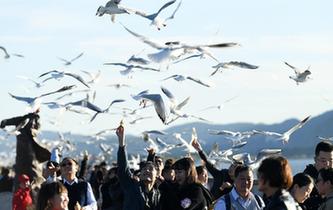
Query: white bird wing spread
{"type": "Point", "coordinates": [294, 68]}
{"type": "Point", "coordinates": [174, 12]}
{"type": "Point", "coordinates": [146, 40]}
{"type": "Point", "coordinates": [242, 65]}
{"type": "Point", "coordinates": [199, 81]}
{"type": "Point", "coordinates": [182, 104]}
{"type": "Point", "coordinates": [297, 126]}
{"type": "Point", "coordinates": [76, 57]}
{"type": "Point", "coordinates": [158, 105]}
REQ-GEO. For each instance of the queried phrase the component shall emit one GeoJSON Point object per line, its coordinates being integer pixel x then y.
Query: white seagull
{"type": "Point", "coordinates": [112, 8]}
{"type": "Point", "coordinates": [69, 62]}
{"type": "Point", "coordinates": [300, 76]}
{"type": "Point", "coordinates": [155, 19]}
{"type": "Point", "coordinates": [158, 105]}
{"type": "Point", "coordinates": [180, 78]}
{"type": "Point", "coordinates": [226, 65]}
{"type": "Point", "coordinates": [55, 74]}
{"type": "Point", "coordinates": [286, 135]}
{"type": "Point", "coordinates": [130, 67]}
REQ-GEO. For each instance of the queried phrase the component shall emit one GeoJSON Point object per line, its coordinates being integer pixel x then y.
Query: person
{"type": "Point", "coordinates": [325, 188]}
{"type": "Point", "coordinates": [168, 172]}
{"type": "Point", "coordinates": [274, 177]}
{"type": "Point", "coordinates": [79, 191]}
{"type": "Point", "coordinates": [202, 175]}
{"type": "Point", "coordinates": [241, 196]}
{"type": "Point", "coordinates": [138, 194]}
{"type": "Point", "coordinates": [52, 196]}
{"type": "Point", "coordinates": [323, 159]}
{"type": "Point", "coordinates": [222, 179]}
{"type": "Point", "coordinates": [6, 188]}
{"type": "Point", "coordinates": [29, 153]}
{"type": "Point", "coordinates": [111, 193]}
{"type": "Point", "coordinates": [301, 188]}
{"type": "Point", "coordinates": [22, 196]}
{"type": "Point", "coordinates": [187, 192]}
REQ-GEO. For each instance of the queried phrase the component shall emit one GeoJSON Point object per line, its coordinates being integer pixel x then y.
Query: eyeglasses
{"type": "Point", "coordinates": [66, 164]}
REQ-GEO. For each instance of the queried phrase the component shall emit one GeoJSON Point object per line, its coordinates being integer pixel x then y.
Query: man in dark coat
{"type": "Point", "coordinates": [29, 154]}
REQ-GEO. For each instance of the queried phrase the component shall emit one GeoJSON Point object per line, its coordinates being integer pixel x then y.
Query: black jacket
{"type": "Point", "coordinates": [220, 176]}
{"type": "Point", "coordinates": [112, 194]}
{"type": "Point", "coordinates": [135, 195]}
{"type": "Point", "coordinates": [315, 200]}
{"type": "Point", "coordinates": [281, 200]}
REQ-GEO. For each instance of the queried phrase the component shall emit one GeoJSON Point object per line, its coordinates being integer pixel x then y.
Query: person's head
{"type": "Point", "coordinates": [112, 173]}
{"type": "Point", "coordinates": [52, 196]}
{"type": "Point", "coordinates": [302, 187]}
{"type": "Point", "coordinates": [5, 171]}
{"type": "Point", "coordinates": [202, 174]}
{"type": "Point", "coordinates": [232, 167]}
{"type": "Point", "coordinates": [274, 173]}
{"type": "Point", "coordinates": [24, 181]}
{"type": "Point", "coordinates": [168, 173]}
{"type": "Point", "coordinates": [148, 172]}
{"type": "Point", "coordinates": [69, 167]}
{"type": "Point", "coordinates": [159, 164]}
{"type": "Point", "coordinates": [243, 180]}
{"type": "Point", "coordinates": [324, 182]}
{"type": "Point", "coordinates": [324, 155]}
{"type": "Point", "coordinates": [185, 171]}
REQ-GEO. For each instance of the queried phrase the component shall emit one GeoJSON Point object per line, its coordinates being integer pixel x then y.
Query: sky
{"type": "Point", "coordinates": [269, 32]}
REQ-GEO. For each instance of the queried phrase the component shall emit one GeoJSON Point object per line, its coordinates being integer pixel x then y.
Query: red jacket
{"type": "Point", "coordinates": [21, 199]}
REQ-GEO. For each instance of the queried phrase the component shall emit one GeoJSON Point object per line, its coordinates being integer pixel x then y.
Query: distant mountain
{"type": "Point", "coordinates": [301, 143]}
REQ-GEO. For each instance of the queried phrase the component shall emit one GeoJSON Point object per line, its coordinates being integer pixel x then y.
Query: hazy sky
{"type": "Point", "coordinates": [270, 32]}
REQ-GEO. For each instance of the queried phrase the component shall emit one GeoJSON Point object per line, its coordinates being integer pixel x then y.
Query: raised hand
{"type": "Point", "coordinates": [196, 145]}
{"type": "Point", "coordinates": [120, 133]}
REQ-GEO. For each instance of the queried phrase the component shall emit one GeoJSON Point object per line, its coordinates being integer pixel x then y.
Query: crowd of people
{"type": "Point", "coordinates": [174, 184]}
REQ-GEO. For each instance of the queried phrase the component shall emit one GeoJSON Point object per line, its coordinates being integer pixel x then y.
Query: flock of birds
{"type": "Point", "coordinates": [169, 53]}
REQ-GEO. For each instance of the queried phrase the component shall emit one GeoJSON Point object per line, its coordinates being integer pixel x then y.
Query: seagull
{"type": "Point", "coordinates": [55, 74]}
{"type": "Point", "coordinates": [7, 55]}
{"type": "Point", "coordinates": [188, 146]}
{"type": "Point", "coordinates": [94, 77]}
{"type": "Point", "coordinates": [254, 163]}
{"type": "Point", "coordinates": [112, 8]}
{"type": "Point", "coordinates": [138, 119]}
{"type": "Point", "coordinates": [172, 51]}
{"type": "Point", "coordinates": [119, 85]}
{"type": "Point", "coordinates": [164, 147]}
{"type": "Point", "coordinates": [93, 107]}
{"type": "Point", "coordinates": [69, 62]}
{"type": "Point", "coordinates": [37, 84]}
{"type": "Point", "coordinates": [158, 105]}
{"type": "Point", "coordinates": [71, 93]}
{"type": "Point", "coordinates": [325, 138]}
{"type": "Point", "coordinates": [286, 135]}
{"type": "Point", "coordinates": [155, 132]}
{"type": "Point", "coordinates": [226, 65]}
{"type": "Point", "coordinates": [155, 19]}
{"type": "Point", "coordinates": [220, 106]}
{"type": "Point", "coordinates": [99, 135]}
{"type": "Point", "coordinates": [137, 97]}
{"type": "Point", "coordinates": [129, 67]}
{"type": "Point", "coordinates": [32, 100]}
{"type": "Point", "coordinates": [236, 137]}
{"type": "Point", "coordinates": [299, 76]}
{"type": "Point", "coordinates": [179, 78]}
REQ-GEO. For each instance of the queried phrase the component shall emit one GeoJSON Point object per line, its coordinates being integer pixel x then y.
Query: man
{"type": "Point", "coordinates": [29, 154]}
{"type": "Point", "coordinates": [138, 195]}
{"type": "Point", "coordinates": [80, 193]}
{"type": "Point", "coordinates": [325, 188]}
{"type": "Point", "coordinates": [241, 196]}
{"type": "Point", "coordinates": [323, 159]}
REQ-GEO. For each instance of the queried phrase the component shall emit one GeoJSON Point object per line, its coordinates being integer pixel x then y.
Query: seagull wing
{"type": "Point", "coordinates": [77, 77]}
{"type": "Point", "coordinates": [77, 57]}
{"type": "Point", "coordinates": [198, 81]}
{"type": "Point", "coordinates": [165, 6]}
{"type": "Point", "coordinates": [113, 102]}
{"type": "Point", "coordinates": [65, 88]}
{"type": "Point", "coordinates": [297, 126]}
{"type": "Point", "coordinates": [174, 12]}
{"type": "Point", "coordinates": [5, 51]}
{"type": "Point", "coordinates": [46, 73]}
{"type": "Point", "coordinates": [182, 104]}
{"type": "Point", "coordinates": [293, 68]}
{"type": "Point", "coordinates": [28, 100]}
{"type": "Point", "coordinates": [172, 76]}
{"type": "Point", "coordinates": [243, 65]}
{"type": "Point", "coordinates": [145, 40]}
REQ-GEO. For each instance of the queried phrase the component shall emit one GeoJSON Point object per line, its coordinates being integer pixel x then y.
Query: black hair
{"type": "Point", "coordinates": [327, 174]}
{"type": "Point", "coordinates": [324, 146]}
{"type": "Point", "coordinates": [240, 168]}
{"type": "Point", "coordinates": [301, 179]}
{"type": "Point", "coordinates": [200, 169]}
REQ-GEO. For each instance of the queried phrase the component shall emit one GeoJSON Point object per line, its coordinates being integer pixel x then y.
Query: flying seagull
{"type": "Point", "coordinates": [226, 65]}
{"type": "Point", "coordinates": [130, 67]}
{"type": "Point", "coordinates": [7, 54]}
{"type": "Point", "coordinates": [112, 8]}
{"type": "Point", "coordinates": [286, 135]}
{"type": "Point", "coordinates": [179, 78]}
{"type": "Point", "coordinates": [299, 75]}
{"type": "Point", "coordinates": [158, 105]}
{"type": "Point", "coordinates": [55, 74]}
{"type": "Point", "coordinates": [155, 19]}
{"type": "Point", "coordinates": [69, 62]}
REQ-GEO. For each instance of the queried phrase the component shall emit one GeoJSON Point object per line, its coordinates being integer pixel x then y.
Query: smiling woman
{"type": "Point", "coordinates": [52, 196]}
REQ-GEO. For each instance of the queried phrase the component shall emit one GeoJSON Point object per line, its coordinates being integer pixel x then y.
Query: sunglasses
{"type": "Point", "coordinates": [66, 164]}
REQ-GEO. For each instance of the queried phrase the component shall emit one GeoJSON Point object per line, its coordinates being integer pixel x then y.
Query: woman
{"type": "Point", "coordinates": [301, 187]}
{"type": "Point", "coordinates": [187, 193]}
{"type": "Point", "coordinates": [52, 196]}
{"type": "Point", "coordinates": [22, 197]}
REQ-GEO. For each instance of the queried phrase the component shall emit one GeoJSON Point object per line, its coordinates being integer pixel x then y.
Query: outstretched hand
{"type": "Point", "coordinates": [196, 145]}
{"type": "Point", "coordinates": [120, 133]}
